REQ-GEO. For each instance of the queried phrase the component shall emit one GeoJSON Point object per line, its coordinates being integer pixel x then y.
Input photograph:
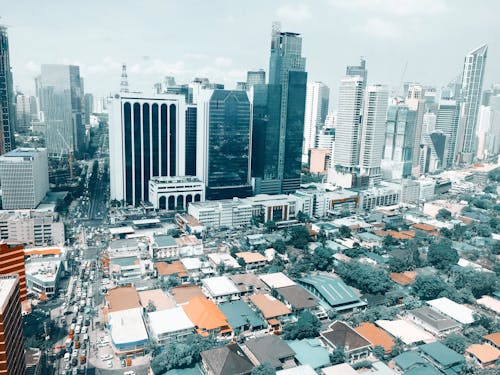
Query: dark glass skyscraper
{"type": "Point", "coordinates": [7, 114]}
{"type": "Point", "coordinates": [358, 70]}
{"type": "Point", "coordinates": [286, 95]}
{"type": "Point", "coordinates": [223, 153]}
{"type": "Point", "coordinates": [191, 140]}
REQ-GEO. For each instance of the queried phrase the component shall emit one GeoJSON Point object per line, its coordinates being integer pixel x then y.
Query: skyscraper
{"type": "Point", "coordinates": [61, 100]}
{"type": "Point", "coordinates": [12, 261]}
{"type": "Point", "coordinates": [373, 132]}
{"type": "Point", "coordinates": [416, 102]}
{"type": "Point", "coordinates": [223, 143]}
{"type": "Point", "coordinates": [358, 70]}
{"type": "Point", "coordinates": [288, 79]}
{"type": "Point", "coordinates": [12, 360]}
{"type": "Point", "coordinates": [348, 131]}
{"type": "Point", "coordinates": [472, 85]}
{"type": "Point", "coordinates": [191, 129]}
{"type": "Point", "coordinates": [23, 112]}
{"type": "Point", "coordinates": [88, 106]}
{"type": "Point", "coordinates": [398, 146]}
{"type": "Point", "coordinates": [256, 77]}
{"type": "Point", "coordinates": [317, 98]}
{"type": "Point", "coordinates": [7, 115]}
{"type": "Point", "coordinates": [146, 139]}
{"type": "Point", "coordinates": [447, 122]}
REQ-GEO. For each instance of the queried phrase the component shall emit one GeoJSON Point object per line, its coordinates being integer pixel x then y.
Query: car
{"type": "Point", "coordinates": [109, 364]}
{"type": "Point", "coordinates": [106, 357]}
{"type": "Point", "coordinates": [74, 362]}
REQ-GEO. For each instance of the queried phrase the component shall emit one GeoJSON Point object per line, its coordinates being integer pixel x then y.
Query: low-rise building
{"type": "Point", "coordinates": [207, 317]}
{"type": "Point", "coordinates": [272, 350]}
{"type": "Point", "coordinates": [298, 299]}
{"type": "Point", "coordinates": [189, 246]}
{"type": "Point", "coordinates": [222, 260]}
{"type": "Point", "coordinates": [456, 311]}
{"type": "Point", "coordinates": [493, 339]}
{"type": "Point", "coordinates": [433, 321]}
{"type": "Point", "coordinates": [443, 358]}
{"type": "Point", "coordinates": [127, 331]}
{"type": "Point", "coordinates": [220, 289]}
{"type": "Point", "coordinates": [276, 280]}
{"type": "Point", "coordinates": [406, 331]}
{"type": "Point", "coordinates": [252, 260]}
{"type": "Point", "coordinates": [273, 310]}
{"type": "Point", "coordinates": [328, 200]}
{"type": "Point", "coordinates": [341, 335]}
{"type": "Point", "coordinates": [485, 355]}
{"type": "Point", "coordinates": [241, 317]}
{"type": "Point", "coordinates": [175, 192]}
{"type": "Point", "coordinates": [226, 360]}
{"type": "Point", "coordinates": [376, 336]}
{"type": "Point", "coordinates": [169, 324]}
{"type": "Point", "coordinates": [249, 283]}
{"type": "Point", "coordinates": [227, 213]}
{"type": "Point", "coordinates": [385, 194]}
{"type": "Point", "coordinates": [42, 275]}
{"type": "Point", "coordinates": [310, 352]}
{"type": "Point", "coordinates": [182, 294]}
{"type": "Point", "coordinates": [164, 247]}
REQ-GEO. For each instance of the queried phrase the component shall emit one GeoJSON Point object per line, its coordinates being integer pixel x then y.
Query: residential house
{"type": "Point", "coordinates": [272, 350]}
{"type": "Point", "coordinates": [485, 355]}
{"type": "Point", "coordinates": [226, 360]}
{"type": "Point", "coordinates": [207, 318]}
{"type": "Point", "coordinates": [170, 324]}
{"type": "Point", "coordinates": [341, 335]}
{"type": "Point", "coordinates": [433, 321]}
{"type": "Point", "coordinates": [443, 358]}
{"type": "Point", "coordinates": [241, 317]}
{"type": "Point", "coordinates": [273, 310]}
{"type": "Point", "coordinates": [376, 336]}
{"type": "Point", "coordinates": [220, 289]}
{"type": "Point", "coordinates": [252, 260]}
{"type": "Point", "coordinates": [249, 283]}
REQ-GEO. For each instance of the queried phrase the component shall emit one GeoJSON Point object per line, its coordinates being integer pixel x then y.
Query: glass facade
{"type": "Point", "coordinates": [191, 114]}
{"type": "Point", "coordinates": [6, 96]}
{"type": "Point", "coordinates": [228, 145]}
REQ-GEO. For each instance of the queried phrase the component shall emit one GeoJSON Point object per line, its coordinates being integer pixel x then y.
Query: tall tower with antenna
{"type": "Point", "coordinates": [124, 79]}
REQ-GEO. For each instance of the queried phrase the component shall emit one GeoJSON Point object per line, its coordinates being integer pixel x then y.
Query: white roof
{"type": "Point", "coordinates": [191, 263]}
{"type": "Point", "coordinates": [342, 369]}
{"type": "Point", "coordinates": [7, 284]}
{"type": "Point", "coordinates": [454, 310]}
{"type": "Point", "coordinates": [276, 280]}
{"type": "Point", "coordinates": [220, 286]}
{"type": "Point", "coordinates": [299, 370]}
{"type": "Point", "coordinates": [219, 258]}
{"type": "Point", "coordinates": [170, 320]}
{"type": "Point", "coordinates": [127, 326]}
{"type": "Point", "coordinates": [405, 331]}
{"type": "Point", "coordinates": [121, 230]}
{"type": "Point", "coordinates": [490, 303]}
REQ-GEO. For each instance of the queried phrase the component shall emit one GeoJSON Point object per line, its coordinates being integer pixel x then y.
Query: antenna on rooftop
{"type": "Point", "coordinates": [124, 81]}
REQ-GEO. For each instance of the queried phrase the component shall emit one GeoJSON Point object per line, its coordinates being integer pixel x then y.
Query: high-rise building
{"type": "Point", "coordinates": [7, 115]}
{"type": "Point", "coordinates": [224, 143]}
{"type": "Point", "coordinates": [472, 85]}
{"type": "Point", "coordinates": [12, 360]}
{"type": "Point", "coordinates": [191, 130]}
{"type": "Point", "coordinates": [429, 123]}
{"type": "Point", "coordinates": [447, 122]}
{"type": "Point", "coordinates": [416, 102]}
{"type": "Point", "coordinates": [373, 132]}
{"type": "Point", "coordinates": [317, 99]}
{"type": "Point", "coordinates": [287, 70]}
{"type": "Point", "coordinates": [88, 106]}
{"type": "Point", "coordinates": [348, 131]}
{"type": "Point", "coordinates": [493, 138]}
{"type": "Point", "coordinates": [12, 262]}
{"type": "Point", "coordinates": [398, 147]}
{"type": "Point", "coordinates": [61, 100]}
{"type": "Point", "coordinates": [24, 175]}
{"type": "Point", "coordinates": [256, 77]}
{"type": "Point", "coordinates": [147, 138]}
{"type": "Point", "coordinates": [358, 70]}
{"type": "Point", "coordinates": [23, 113]}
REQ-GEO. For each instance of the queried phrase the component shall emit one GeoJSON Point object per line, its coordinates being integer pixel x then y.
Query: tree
{"type": "Point", "coordinates": [299, 237]}
{"type": "Point", "coordinates": [302, 217]}
{"type": "Point", "coordinates": [263, 369]}
{"type": "Point", "coordinates": [441, 255]}
{"type": "Point", "coordinates": [443, 214]}
{"type": "Point", "coordinates": [150, 307]}
{"type": "Point", "coordinates": [338, 356]}
{"type": "Point", "coordinates": [242, 262]}
{"type": "Point", "coordinates": [389, 241]}
{"type": "Point", "coordinates": [490, 189]}
{"type": "Point", "coordinates": [482, 230]}
{"type": "Point", "coordinates": [174, 232]}
{"type": "Point", "coordinates": [364, 277]}
{"type": "Point", "coordinates": [379, 352]}
{"type": "Point", "coordinates": [323, 258]}
{"type": "Point", "coordinates": [427, 287]}
{"type": "Point", "coordinates": [280, 246]}
{"type": "Point", "coordinates": [344, 231]}
{"type": "Point", "coordinates": [307, 326]}
{"type": "Point", "coordinates": [322, 237]}
{"type": "Point", "coordinates": [456, 342]}
{"type": "Point", "coordinates": [270, 226]}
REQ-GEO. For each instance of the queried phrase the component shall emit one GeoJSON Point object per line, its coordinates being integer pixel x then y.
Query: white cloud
{"type": "Point", "coordinates": [223, 62]}
{"type": "Point", "coordinates": [32, 67]}
{"type": "Point", "coordinates": [294, 13]}
{"type": "Point", "coordinates": [379, 28]}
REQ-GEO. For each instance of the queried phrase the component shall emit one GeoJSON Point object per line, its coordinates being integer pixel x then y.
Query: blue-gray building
{"type": "Point", "coordinates": [7, 114]}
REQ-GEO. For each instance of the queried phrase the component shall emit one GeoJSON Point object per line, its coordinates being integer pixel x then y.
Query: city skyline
{"type": "Point", "coordinates": [409, 34]}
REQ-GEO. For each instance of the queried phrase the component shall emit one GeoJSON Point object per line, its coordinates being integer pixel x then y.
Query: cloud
{"type": "Point", "coordinates": [394, 7]}
{"type": "Point", "coordinates": [294, 13]}
{"type": "Point", "coordinates": [32, 67]}
{"type": "Point", "coordinates": [379, 28]}
{"type": "Point", "coordinates": [223, 62]}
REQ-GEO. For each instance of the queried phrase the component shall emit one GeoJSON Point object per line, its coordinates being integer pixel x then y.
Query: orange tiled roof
{"type": "Point", "coordinates": [251, 257]}
{"type": "Point", "coordinates": [403, 278]}
{"type": "Point", "coordinates": [494, 338]}
{"type": "Point", "coordinates": [175, 268]}
{"type": "Point", "coordinates": [269, 306]}
{"type": "Point", "coordinates": [205, 315]}
{"type": "Point", "coordinates": [425, 227]}
{"type": "Point", "coordinates": [51, 251]}
{"type": "Point", "coordinates": [403, 235]}
{"type": "Point", "coordinates": [377, 336]}
{"type": "Point", "coordinates": [486, 353]}
{"type": "Point", "coordinates": [184, 293]}
{"type": "Point", "coordinates": [122, 298]}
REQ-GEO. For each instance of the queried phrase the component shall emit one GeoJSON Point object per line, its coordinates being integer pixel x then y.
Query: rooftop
{"type": "Point", "coordinates": [442, 354]}
{"type": "Point", "coordinates": [409, 359]}
{"type": "Point", "coordinates": [434, 318]}
{"type": "Point", "coordinates": [24, 153]}
{"type": "Point", "coordinates": [340, 369]}
{"type": "Point", "coordinates": [184, 293]}
{"type": "Point", "coordinates": [220, 286]}
{"type": "Point", "coordinates": [298, 297]}
{"type": "Point", "coordinates": [127, 327]}
{"type": "Point", "coordinates": [341, 335]}
{"type": "Point", "coordinates": [248, 282]}
{"type": "Point", "coordinates": [333, 291]}
{"type": "Point", "coordinates": [122, 298]}
{"type": "Point", "coordinates": [174, 268]}
{"type": "Point", "coordinates": [493, 338]}
{"type": "Point", "coordinates": [164, 240]}
{"type": "Point", "coordinates": [486, 353]}
{"type": "Point", "coordinates": [227, 360]}
{"type": "Point", "coordinates": [187, 241]}
{"type": "Point", "coordinates": [158, 297]}
{"type": "Point", "coordinates": [239, 314]}
{"type": "Point", "coordinates": [44, 269]}
{"type": "Point", "coordinates": [406, 331]}
{"type": "Point", "coordinates": [205, 314]}
{"type": "Point", "coordinates": [310, 352]}
{"type": "Point", "coordinates": [403, 278]}
{"type": "Point", "coordinates": [454, 310]}
{"type": "Point", "coordinates": [276, 280]}
{"type": "Point", "coordinates": [7, 284]}
{"type": "Point", "coordinates": [490, 303]}
{"type": "Point", "coordinates": [168, 321]}
{"type": "Point", "coordinates": [376, 336]}
{"type": "Point", "coordinates": [251, 257]}
{"type": "Point", "coordinates": [299, 370]}
{"type": "Point", "coordinates": [269, 306]}
{"type": "Point", "coordinates": [270, 349]}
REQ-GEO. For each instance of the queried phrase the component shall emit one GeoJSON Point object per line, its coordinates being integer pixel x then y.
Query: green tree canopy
{"type": "Point", "coordinates": [299, 236]}
{"type": "Point", "coordinates": [441, 255]}
{"type": "Point", "coordinates": [323, 258]}
{"type": "Point", "coordinates": [427, 287]}
{"type": "Point", "coordinates": [307, 326]}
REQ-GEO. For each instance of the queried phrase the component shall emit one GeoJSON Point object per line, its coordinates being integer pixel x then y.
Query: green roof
{"type": "Point", "coordinates": [239, 314]}
{"type": "Point", "coordinates": [332, 290]}
{"type": "Point", "coordinates": [164, 240]}
{"type": "Point", "coordinates": [422, 370]}
{"type": "Point", "coordinates": [409, 359]}
{"type": "Point", "coordinates": [124, 261]}
{"type": "Point", "coordinates": [310, 352]}
{"type": "Point", "coordinates": [442, 354]}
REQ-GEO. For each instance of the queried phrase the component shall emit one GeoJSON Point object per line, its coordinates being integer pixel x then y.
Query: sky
{"type": "Point", "coordinates": [222, 39]}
